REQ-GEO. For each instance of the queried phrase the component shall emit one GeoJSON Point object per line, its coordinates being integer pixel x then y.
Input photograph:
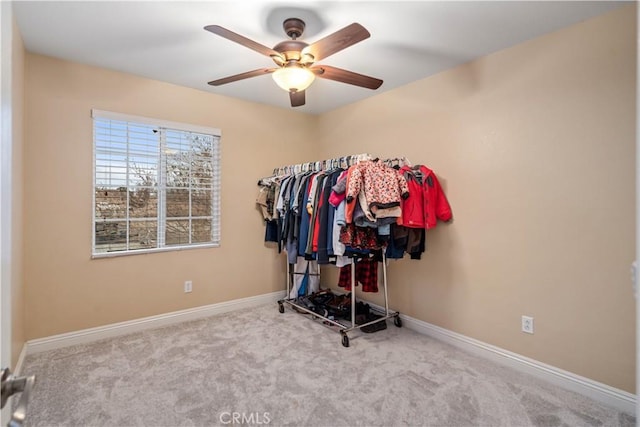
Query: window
{"type": "Point", "coordinates": [156, 185]}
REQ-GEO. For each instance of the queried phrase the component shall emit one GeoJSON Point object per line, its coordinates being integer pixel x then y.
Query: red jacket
{"type": "Point", "coordinates": [427, 202]}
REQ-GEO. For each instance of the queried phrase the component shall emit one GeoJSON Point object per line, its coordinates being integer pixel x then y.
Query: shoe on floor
{"type": "Point", "coordinates": [375, 327]}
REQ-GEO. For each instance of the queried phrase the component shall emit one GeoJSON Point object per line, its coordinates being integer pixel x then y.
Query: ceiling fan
{"type": "Point", "coordinates": [295, 59]}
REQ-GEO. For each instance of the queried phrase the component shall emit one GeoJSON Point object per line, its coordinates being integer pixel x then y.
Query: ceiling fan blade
{"type": "Point", "coordinates": [297, 98]}
{"type": "Point", "coordinates": [234, 37]}
{"type": "Point", "coordinates": [242, 76]}
{"type": "Point", "coordinates": [341, 39]}
{"type": "Point", "coordinates": [344, 76]}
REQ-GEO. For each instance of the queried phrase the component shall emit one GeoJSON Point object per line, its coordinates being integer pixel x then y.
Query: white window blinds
{"type": "Point", "coordinates": [156, 185]}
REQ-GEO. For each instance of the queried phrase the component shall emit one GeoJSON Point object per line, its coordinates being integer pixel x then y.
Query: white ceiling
{"type": "Point", "coordinates": [166, 41]}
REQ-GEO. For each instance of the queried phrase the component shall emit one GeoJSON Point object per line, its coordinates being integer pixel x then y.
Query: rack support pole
{"type": "Point", "coordinates": [289, 278]}
{"type": "Point", "coordinates": [353, 292]}
{"type": "Point", "coordinates": [384, 278]}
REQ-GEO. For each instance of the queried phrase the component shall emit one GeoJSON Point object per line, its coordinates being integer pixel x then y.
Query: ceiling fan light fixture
{"type": "Point", "coordinates": [293, 77]}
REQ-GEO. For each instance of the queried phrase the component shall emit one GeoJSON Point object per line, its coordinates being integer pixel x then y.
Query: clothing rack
{"type": "Point", "coordinates": [398, 161]}
{"type": "Point", "coordinates": [343, 326]}
{"type": "Point", "coordinates": [319, 165]}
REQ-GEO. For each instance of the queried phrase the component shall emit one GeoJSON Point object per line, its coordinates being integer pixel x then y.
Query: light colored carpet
{"type": "Point", "coordinates": [286, 369]}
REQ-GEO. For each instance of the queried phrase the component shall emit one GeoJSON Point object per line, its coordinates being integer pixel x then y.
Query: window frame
{"type": "Point", "coordinates": [216, 184]}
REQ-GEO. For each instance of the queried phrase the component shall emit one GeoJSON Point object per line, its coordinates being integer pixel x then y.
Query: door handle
{"type": "Point", "coordinates": [12, 385]}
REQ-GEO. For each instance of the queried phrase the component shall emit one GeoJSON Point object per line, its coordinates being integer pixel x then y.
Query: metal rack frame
{"type": "Point", "coordinates": [343, 328]}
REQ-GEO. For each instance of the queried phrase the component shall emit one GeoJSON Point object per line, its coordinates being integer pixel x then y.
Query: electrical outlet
{"type": "Point", "coordinates": [527, 324]}
{"type": "Point", "coordinates": [187, 286]}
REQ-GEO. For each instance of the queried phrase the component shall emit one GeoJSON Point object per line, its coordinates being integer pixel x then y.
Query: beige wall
{"type": "Point", "coordinates": [535, 147]}
{"type": "Point", "coordinates": [17, 115]}
{"type": "Point", "coordinates": [65, 289]}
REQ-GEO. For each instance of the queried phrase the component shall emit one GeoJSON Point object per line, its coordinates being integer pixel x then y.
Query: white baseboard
{"type": "Point", "coordinates": [607, 395]}
{"type": "Point", "coordinates": [122, 328]}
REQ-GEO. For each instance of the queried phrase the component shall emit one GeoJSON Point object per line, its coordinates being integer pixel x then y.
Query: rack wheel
{"type": "Point", "coordinates": [397, 321]}
{"type": "Point", "coordinates": [281, 308]}
{"type": "Point", "coordinates": [345, 340]}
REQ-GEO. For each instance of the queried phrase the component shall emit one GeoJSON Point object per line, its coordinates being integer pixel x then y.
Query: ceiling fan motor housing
{"type": "Point", "coordinates": [293, 27]}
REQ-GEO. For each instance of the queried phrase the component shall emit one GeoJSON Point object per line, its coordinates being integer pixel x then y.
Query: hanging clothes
{"type": "Point", "coordinates": [330, 215]}
{"type": "Point", "coordinates": [366, 275]}
{"type": "Point", "coordinates": [426, 203]}
{"type": "Point", "coordinates": [359, 237]}
{"type": "Point", "coordinates": [383, 186]}
{"type": "Point", "coordinates": [304, 217]}
{"type": "Point", "coordinates": [312, 207]}
{"type": "Point", "coordinates": [325, 221]}
{"type": "Point", "coordinates": [305, 279]}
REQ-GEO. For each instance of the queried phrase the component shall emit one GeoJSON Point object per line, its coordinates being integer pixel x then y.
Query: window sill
{"type": "Point", "coordinates": [155, 250]}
